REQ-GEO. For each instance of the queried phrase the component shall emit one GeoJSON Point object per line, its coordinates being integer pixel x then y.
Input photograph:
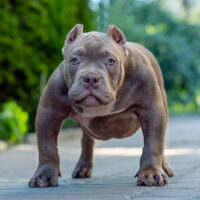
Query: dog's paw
{"type": "Point", "coordinates": [43, 181]}
{"type": "Point", "coordinates": [167, 169]}
{"type": "Point", "coordinates": [152, 177]}
{"type": "Point", "coordinates": [45, 176]}
{"type": "Point", "coordinates": [82, 170]}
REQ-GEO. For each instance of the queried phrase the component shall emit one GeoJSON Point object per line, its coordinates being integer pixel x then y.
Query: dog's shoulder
{"type": "Point", "coordinates": [144, 61]}
{"type": "Point", "coordinates": [56, 90]}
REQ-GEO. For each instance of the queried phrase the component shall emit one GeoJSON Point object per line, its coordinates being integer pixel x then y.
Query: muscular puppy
{"type": "Point", "coordinates": [111, 88]}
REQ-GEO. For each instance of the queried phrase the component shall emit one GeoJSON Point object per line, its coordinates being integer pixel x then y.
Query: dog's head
{"type": "Point", "coordinates": [94, 68]}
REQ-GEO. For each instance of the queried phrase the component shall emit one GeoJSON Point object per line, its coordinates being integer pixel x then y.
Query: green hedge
{"type": "Point", "coordinates": [175, 43]}
{"type": "Point", "coordinates": [14, 122]}
{"type": "Point", "coordinates": [31, 39]}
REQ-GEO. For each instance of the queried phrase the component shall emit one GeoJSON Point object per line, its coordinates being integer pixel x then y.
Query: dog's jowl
{"type": "Point", "coordinates": [111, 88]}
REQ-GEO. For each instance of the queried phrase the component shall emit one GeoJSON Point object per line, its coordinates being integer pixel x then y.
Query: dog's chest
{"type": "Point", "coordinates": [118, 125]}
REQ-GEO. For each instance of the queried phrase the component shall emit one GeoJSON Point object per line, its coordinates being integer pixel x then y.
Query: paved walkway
{"type": "Point", "coordinates": [115, 164]}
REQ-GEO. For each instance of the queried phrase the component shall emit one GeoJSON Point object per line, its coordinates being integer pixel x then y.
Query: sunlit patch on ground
{"type": "Point", "coordinates": [119, 151]}
{"type": "Point", "coordinates": [123, 151]}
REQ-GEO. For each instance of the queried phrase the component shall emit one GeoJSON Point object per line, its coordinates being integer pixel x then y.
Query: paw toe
{"type": "Point", "coordinates": [82, 172]}
{"type": "Point", "coordinates": [43, 181]}
{"type": "Point", "coordinates": [152, 178]}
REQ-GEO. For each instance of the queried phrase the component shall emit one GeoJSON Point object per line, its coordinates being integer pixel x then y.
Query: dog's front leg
{"type": "Point", "coordinates": [48, 124]}
{"type": "Point", "coordinates": [153, 123]}
{"type": "Point", "coordinates": [83, 168]}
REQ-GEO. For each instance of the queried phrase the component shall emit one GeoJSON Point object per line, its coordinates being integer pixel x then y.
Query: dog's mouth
{"type": "Point", "coordinates": [90, 101]}
{"type": "Point", "coordinates": [90, 97]}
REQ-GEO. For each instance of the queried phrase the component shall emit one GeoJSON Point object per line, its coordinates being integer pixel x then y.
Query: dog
{"type": "Point", "coordinates": [111, 88]}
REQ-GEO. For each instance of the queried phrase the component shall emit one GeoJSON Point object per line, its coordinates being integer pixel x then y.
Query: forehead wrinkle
{"type": "Point", "coordinates": [106, 52]}
{"type": "Point", "coordinates": [99, 48]}
{"type": "Point", "coordinates": [80, 51]}
{"type": "Point", "coordinates": [93, 49]}
{"type": "Point", "coordinates": [95, 38]}
{"type": "Point", "coordinates": [94, 44]}
{"type": "Point", "coordinates": [93, 34]}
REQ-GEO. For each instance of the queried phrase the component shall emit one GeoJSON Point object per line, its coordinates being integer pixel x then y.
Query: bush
{"type": "Point", "coordinates": [31, 39]}
{"type": "Point", "coordinates": [175, 44]}
{"type": "Point", "coordinates": [14, 122]}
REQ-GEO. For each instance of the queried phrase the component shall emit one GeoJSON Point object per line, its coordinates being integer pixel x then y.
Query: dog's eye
{"type": "Point", "coordinates": [75, 61]}
{"type": "Point", "coordinates": [110, 61]}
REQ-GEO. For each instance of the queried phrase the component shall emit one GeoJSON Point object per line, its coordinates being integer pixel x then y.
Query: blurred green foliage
{"type": "Point", "coordinates": [32, 34]}
{"type": "Point", "coordinates": [175, 44]}
{"type": "Point", "coordinates": [69, 123]}
{"type": "Point", "coordinates": [14, 122]}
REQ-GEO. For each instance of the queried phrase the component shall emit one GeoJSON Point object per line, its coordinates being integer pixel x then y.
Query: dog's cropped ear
{"type": "Point", "coordinates": [117, 36]}
{"type": "Point", "coordinates": [73, 34]}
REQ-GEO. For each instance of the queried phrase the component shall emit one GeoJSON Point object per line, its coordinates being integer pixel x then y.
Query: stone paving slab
{"type": "Point", "coordinates": [115, 164]}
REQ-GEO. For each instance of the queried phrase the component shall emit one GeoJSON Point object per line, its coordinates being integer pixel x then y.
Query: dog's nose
{"type": "Point", "coordinates": [91, 80]}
